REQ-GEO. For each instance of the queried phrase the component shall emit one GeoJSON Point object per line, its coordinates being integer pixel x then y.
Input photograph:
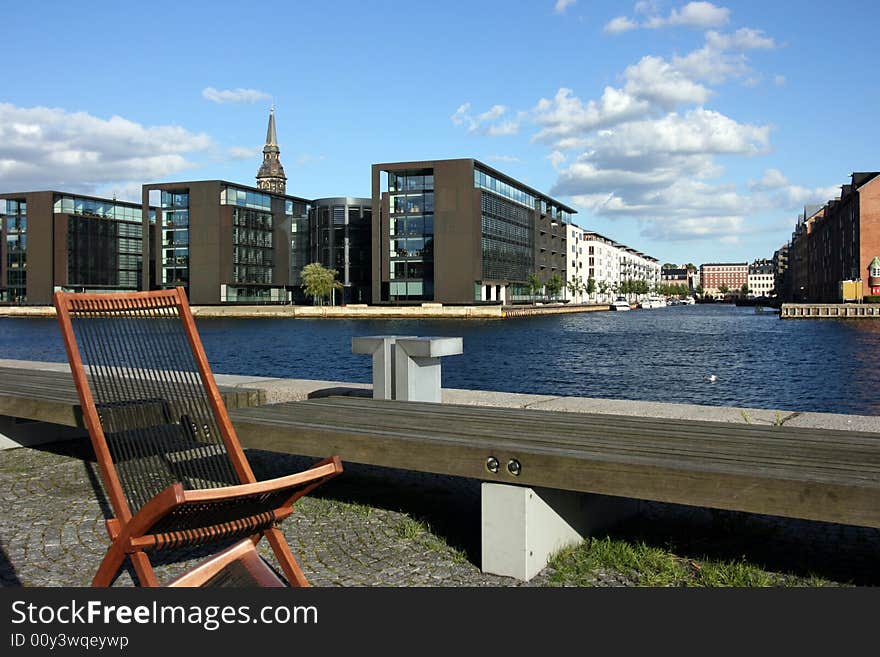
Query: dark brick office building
{"type": "Point", "coordinates": [459, 231]}
{"type": "Point", "coordinates": [51, 240]}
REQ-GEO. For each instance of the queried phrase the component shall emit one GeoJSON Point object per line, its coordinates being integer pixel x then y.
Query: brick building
{"type": "Point", "coordinates": [837, 242]}
{"type": "Point", "coordinates": [731, 275]}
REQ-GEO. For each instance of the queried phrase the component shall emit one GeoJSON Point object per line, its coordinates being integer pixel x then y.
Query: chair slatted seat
{"type": "Point", "coordinates": [170, 461]}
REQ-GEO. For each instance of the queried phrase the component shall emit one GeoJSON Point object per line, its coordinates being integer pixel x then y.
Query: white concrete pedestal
{"type": "Point", "coordinates": [522, 527]}
{"type": "Point", "coordinates": [381, 349]}
{"type": "Point", "coordinates": [417, 366]}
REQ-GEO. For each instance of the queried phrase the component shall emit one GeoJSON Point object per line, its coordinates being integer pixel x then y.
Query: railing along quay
{"type": "Point", "coordinates": [829, 310]}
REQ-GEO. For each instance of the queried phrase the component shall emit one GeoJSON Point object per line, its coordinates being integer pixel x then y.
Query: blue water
{"type": "Point", "coordinates": [660, 355]}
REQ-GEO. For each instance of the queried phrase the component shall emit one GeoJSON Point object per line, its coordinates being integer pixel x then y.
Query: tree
{"type": "Point", "coordinates": [603, 287]}
{"type": "Point", "coordinates": [724, 290]}
{"type": "Point", "coordinates": [590, 289]}
{"type": "Point", "coordinates": [319, 282]}
{"type": "Point", "coordinates": [699, 290]}
{"type": "Point", "coordinates": [555, 285]}
{"type": "Point", "coordinates": [534, 284]}
{"type": "Point", "coordinates": [745, 289]}
{"type": "Point", "coordinates": [669, 265]}
{"type": "Point", "coordinates": [574, 286]}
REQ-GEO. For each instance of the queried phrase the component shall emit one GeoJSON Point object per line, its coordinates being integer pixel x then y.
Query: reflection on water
{"type": "Point", "coordinates": [665, 354]}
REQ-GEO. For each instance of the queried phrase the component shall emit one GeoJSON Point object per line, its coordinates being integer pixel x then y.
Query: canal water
{"type": "Point", "coordinates": [705, 354]}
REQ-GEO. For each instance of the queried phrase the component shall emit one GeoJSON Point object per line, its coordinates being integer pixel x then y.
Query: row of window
{"type": "Point", "coordinates": [245, 198]}
{"type": "Point", "coordinates": [90, 206]}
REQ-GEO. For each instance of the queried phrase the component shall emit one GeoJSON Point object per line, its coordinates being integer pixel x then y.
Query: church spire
{"type": "Point", "coordinates": [271, 176]}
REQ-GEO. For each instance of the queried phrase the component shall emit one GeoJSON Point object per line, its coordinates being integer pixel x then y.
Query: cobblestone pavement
{"type": "Point", "coordinates": [369, 527]}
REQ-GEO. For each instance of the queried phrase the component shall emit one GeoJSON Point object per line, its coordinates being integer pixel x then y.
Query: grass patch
{"type": "Point", "coordinates": [647, 565]}
{"type": "Point", "coordinates": [411, 529]}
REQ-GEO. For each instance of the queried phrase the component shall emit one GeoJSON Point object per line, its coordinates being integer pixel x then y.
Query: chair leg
{"type": "Point", "coordinates": [109, 566]}
{"type": "Point", "coordinates": [144, 569]}
{"type": "Point", "coordinates": [288, 562]}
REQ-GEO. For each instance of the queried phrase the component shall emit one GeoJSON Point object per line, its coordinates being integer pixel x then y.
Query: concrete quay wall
{"type": "Point", "coordinates": [424, 311]}
{"type": "Point", "coordinates": [280, 390]}
{"type": "Point", "coordinates": [830, 311]}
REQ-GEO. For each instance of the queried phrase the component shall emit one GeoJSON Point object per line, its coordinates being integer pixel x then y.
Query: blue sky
{"type": "Point", "coordinates": [693, 131]}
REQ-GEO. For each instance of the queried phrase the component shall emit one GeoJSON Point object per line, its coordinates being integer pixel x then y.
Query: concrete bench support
{"type": "Point", "coordinates": [417, 366]}
{"type": "Point", "coordinates": [522, 526]}
{"type": "Point", "coordinates": [381, 348]}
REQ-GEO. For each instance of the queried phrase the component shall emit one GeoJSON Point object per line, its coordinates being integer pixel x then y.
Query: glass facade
{"type": "Point", "coordinates": [245, 198]}
{"type": "Point", "coordinates": [507, 239]}
{"type": "Point", "coordinates": [252, 246]}
{"type": "Point", "coordinates": [103, 254]}
{"type": "Point", "coordinates": [341, 240]}
{"type": "Point", "coordinates": [411, 235]}
{"type": "Point", "coordinates": [104, 242]}
{"type": "Point", "coordinates": [175, 238]}
{"type": "Point", "coordinates": [97, 208]}
{"type": "Point", "coordinates": [13, 225]}
{"type": "Point", "coordinates": [299, 214]}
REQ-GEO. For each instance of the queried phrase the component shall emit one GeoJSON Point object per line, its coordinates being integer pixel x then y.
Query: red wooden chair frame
{"type": "Point", "coordinates": [134, 533]}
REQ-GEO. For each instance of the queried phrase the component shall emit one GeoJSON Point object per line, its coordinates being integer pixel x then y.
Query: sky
{"type": "Point", "coordinates": [691, 131]}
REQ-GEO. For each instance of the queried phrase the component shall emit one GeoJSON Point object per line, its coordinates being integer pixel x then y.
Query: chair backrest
{"type": "Point", "coordinates": [149, 400]}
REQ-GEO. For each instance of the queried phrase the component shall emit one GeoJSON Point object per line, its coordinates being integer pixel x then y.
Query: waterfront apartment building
{"type": "Point", "coordinates": [838, 242]}
{"type": "Point", "coordinates": [577, 267]}
{"type": "Point", "coordinates": [761, 278]}
{"type": "Point", "coordinates": [51, 240]}
{"type": "Point", "coordinates": [459, 231]}
{"type": "Point", "coordinates": [730, 276]}
{"type": "Point", "coordinates": [610, 264]}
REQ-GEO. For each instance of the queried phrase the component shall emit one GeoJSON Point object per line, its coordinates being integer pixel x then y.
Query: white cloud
{"type": "Point", "coordinates": [656, 80]}
{"type": "Point", "coordinates": [619, 25]}
{"type": "Point", "coordinates": [744, 38]}
{"type": "Point", "coordinates": [486, 122]}
{"type": "Point", "coordinates": [238, 95]}
{"type": "Point", "coordinates": [772, 179]}
{"type": "Point", "coordinates": [566, 116]}
{"type": "Point", "coordinates": [557, 159]}
{"type": "Point", "coordinates": [43, 147]}
{"type": "Point", "coordinates": [699, 15]}
{"type": "Point", "coordinates": [494, 113]}
{"type": "Point", "coordinates": [562, 5]}
{"type": "Point", "coordinates": [503, 129]}
{"type": "Point", "coordinates": [244, 152]}
{"type": "Point", "coordinates": [779, 80]}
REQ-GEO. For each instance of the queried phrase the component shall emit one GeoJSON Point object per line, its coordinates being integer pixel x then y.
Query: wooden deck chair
{"type": "Point", "coordinates": [172, 467]}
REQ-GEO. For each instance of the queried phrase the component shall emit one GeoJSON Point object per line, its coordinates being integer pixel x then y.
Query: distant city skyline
{"type": "Point", "coordinates": [691, 131]}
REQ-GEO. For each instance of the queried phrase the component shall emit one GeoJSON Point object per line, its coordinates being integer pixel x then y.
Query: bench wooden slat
{"type": "Point", "coordinates": [411, 436]}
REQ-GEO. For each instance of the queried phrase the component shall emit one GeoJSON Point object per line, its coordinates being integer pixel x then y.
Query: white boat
{"type": "Point", "coordinates": [654, 301]}
{"type": "Point", "coordinates": [620, 303]}
{"type": "Point", "coordinates": [688, 301]}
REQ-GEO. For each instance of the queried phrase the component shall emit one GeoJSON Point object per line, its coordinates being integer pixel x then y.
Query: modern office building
{"type": "Point", "coordinates": [459, 231]}
{"type": "Point", "coordinates": [223, 242]}
{"type": "Point", "coordinates": [339, 238]}
{"type": "Point", "coordinates": [51, 240]}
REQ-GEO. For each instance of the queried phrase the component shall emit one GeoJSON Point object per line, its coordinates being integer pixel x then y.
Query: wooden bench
{"type": "Point", "coordinates": [532, 462]}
